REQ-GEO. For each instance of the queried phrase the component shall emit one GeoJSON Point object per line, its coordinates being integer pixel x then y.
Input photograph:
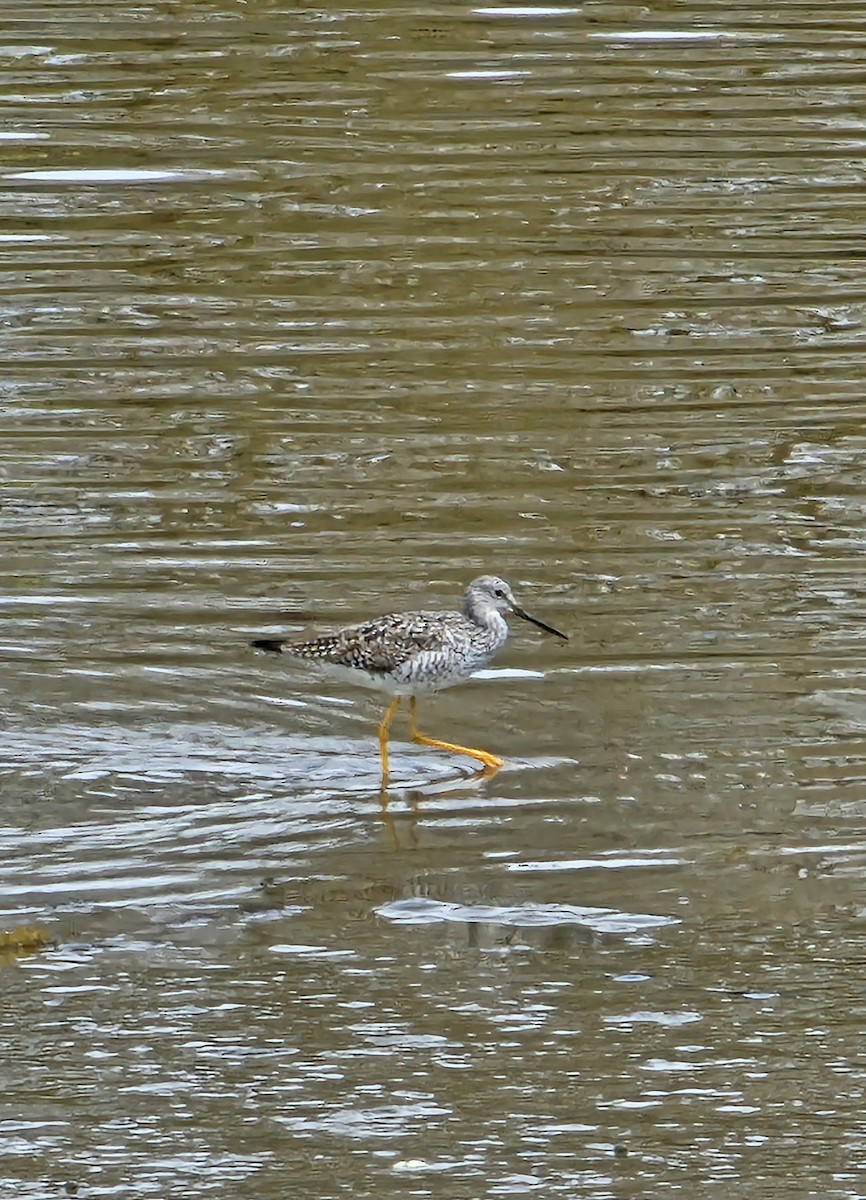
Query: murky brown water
{"type": "Point", "coordinates": [309, 314]}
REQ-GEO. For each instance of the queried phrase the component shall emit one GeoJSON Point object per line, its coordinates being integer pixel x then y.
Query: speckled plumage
{"type": "Point", "coordinates": [415, 653]}
{"type": "Point", "coordinates": [406, 652]}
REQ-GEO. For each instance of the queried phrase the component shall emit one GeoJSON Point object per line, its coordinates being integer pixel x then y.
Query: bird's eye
{"type": "Point", "coordinates": [498, 592]}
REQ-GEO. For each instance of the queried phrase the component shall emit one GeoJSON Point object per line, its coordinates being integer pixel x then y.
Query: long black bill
{"type": "Point", "coordinates": [541, 625]}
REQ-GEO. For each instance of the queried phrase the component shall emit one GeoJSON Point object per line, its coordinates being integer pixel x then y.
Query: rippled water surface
{"type": "Point", "coordinates": [311, 314]}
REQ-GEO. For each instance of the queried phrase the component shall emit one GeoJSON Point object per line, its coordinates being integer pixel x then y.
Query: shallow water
{"type": "Point", "coordinates": [314, 314]}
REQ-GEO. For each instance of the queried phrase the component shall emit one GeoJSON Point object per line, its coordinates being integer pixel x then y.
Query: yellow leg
{"type": "Point", "coordinates": [383, 738]}
{"type": "Point", "coordinates": [489, 760]}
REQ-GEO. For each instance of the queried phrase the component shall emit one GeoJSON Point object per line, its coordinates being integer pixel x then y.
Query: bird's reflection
{"type": "Point", "coordinates": [457, 787]}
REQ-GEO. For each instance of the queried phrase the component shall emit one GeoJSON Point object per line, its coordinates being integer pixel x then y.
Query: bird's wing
{"type": "Point", "coordinates": [382, 645]}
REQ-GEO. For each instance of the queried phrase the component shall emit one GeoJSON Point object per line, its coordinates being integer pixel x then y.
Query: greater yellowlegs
{"type": "Point", "coordinates": [416, 653]}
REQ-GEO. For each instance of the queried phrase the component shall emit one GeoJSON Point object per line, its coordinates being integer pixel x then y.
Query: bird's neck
{"type": "Point", "coordinates": [486, 617]}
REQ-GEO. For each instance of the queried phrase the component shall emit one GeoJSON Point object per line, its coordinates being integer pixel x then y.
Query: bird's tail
{"type": "Point", "coordinates": [272, 645]}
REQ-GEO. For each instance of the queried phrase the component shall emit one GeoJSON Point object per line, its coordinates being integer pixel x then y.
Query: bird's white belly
{"type": "Point", "coordinates": [383, 683]}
